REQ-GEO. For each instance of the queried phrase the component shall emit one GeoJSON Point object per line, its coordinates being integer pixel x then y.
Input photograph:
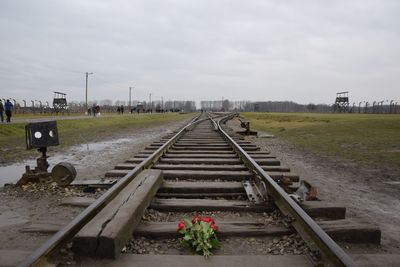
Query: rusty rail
{"type": "Point", "coordinates": [303, 223]}
{"type": "Point", "coordinates": [39, 257]}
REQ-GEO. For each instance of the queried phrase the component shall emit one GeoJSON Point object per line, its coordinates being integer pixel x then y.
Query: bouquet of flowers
{"type": "Point", "coordinates": [200, 234]}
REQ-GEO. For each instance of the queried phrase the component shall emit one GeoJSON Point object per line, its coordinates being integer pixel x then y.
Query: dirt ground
{"type": "Point", "coordinates": [369, 193]}
{"type": "Point", "coordinates": [29, 205]}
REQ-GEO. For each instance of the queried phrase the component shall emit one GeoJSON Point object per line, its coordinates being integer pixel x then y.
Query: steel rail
{"type": "Point", "coordinates": [39, 256]}
{"type": "Point", "coordinates": [303, 223]}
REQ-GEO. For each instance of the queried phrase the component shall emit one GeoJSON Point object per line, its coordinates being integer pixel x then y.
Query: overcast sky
{"type": "Point", "coordinates": [303, 51]}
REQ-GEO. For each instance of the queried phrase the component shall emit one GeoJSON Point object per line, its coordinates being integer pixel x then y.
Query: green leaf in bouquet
{"type": "Point", "coordinates": [214, 243]}
{"type": "Point", "coordinates": [188, 222]}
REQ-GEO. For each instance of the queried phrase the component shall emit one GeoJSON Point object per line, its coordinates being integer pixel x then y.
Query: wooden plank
{"type": "Point", "coordinates": [324, 209]}
{"type": "Point", "coordinates": [195, 187]}
{"type": "Point", "coordinates": [210, 167]}
{"type": "Point", "coordinates": [202, 195]}
{"type": "Point", "coordinates": [341, 230]}
{"type": "Point", "coordinates": [268, 162]}
{"type": "Point", "coordinates": [190, 205]}
{"type": "Point", "coordinates": [200, 161]}
{"type": "Point", "coordinates": [347, 230]}
{"type": "Point", "coordinates": [204, 167]}
{"type": "Point", "coordinates": [263, 156]}
{"type": "Point", "coordinates": [263, 162]}
{"type": "Point", "coordinates": [225, 229]}
{"type": "Point", "coordinates": [218, 139]}
{"type": "Point", "coordinates": [194, 174]}
{"type": "Point", "coordinates": [204, 142]}
{"type": "Point", "coordinates": [189, 155]}
{"type": "Point", "coordinates": [172, 151]}
{"type": "Point", "coordinates": [226, 175]}
{"type": "Point", "coordinates": [276, 168]}
{"type": "Point", "coordinates": [203, 137]}
{"type": "Point", "coordinates": [207, 134]}
{"type": "Point", "coordinates": [232, 156]}
{"type": "Point", "coordinates": [202, 148]}
{"type": "Point", "coordinates": [258, 152]}
{"type": "Point", "coordinates": [220, 143]}
{"type": "Point", "coordinates": [352, 231]}
{"type": "Point", "coordinates": [106, 234]}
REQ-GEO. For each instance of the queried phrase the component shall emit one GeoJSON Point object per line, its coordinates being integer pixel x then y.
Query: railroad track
{"type": "Point", "coordinates": [206, 168]}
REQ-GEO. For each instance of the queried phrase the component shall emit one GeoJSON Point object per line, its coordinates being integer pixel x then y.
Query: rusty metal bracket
{"type": "Point", "coordinates": [306, 191]}
{"type": "Point", "coordinates": [253, 193]}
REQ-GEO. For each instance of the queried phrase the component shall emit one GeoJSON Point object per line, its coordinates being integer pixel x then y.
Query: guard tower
{"type": "Point", "coordinates": [60, 102]}
{"type": "Point", "coordinates": [341, 102]}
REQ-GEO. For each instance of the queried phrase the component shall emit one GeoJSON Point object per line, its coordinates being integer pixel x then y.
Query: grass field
{"type": "Point", "coordinates": [34, 115]}
{"type": "Point", "coordinates": [76, 131]}
{"type": "Point", "coordinates": [369, 139]}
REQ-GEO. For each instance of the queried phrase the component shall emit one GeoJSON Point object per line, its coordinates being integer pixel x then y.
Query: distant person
{"type": "Point", "coordinates": [122, 110]}
{"type": "Point", "coordinates": [1, 111]}
{"type": "Point", "coordinates": [94, 110]}
{"type": "Point", "coordinates": [118, 110]}
{"type": "Point", "coordinates": [8, 106]}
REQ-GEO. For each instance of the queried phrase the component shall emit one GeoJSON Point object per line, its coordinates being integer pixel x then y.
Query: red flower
{"type": "Point", "coordinates": [214, 227]}
{"type": "Point", "coordinates": [181, 226]}
{"type": "Point", "coordinates": [196, 219]}
{"type": "Point", "coordinates": [208, 220]}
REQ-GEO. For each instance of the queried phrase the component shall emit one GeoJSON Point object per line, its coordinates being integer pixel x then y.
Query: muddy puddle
{"type": "Point", "coordinates": [84, 156]}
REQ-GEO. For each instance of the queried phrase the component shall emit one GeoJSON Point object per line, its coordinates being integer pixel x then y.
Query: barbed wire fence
{"type": "Point", "coordinates": [108, 106]}
{"type": "Point", "coordinates": [367, 107]}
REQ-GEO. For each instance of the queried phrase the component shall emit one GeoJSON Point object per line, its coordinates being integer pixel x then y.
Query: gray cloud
{"type": "Point", "coordinates": [303, 51]}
